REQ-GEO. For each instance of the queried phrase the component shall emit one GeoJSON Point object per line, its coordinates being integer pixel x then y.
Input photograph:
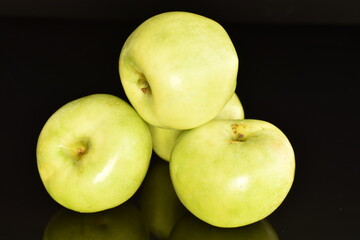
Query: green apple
{"type": "Point", "coordinates": [158, 201]}
{"type": "Point", "coordinates": [191, 228]}
{"type": "Point", "coordinates": [178, 69]}
{"type": "Point", "coordinates": [231, 173]}
{"type": "Point", "coordinates": [93, 153]}
{"type": "Point", "coordinates": [232, 110]}
{"type": "Point", "coordinates": [164, 139]}
{"type": "Point", "coordinates": [124, 222]}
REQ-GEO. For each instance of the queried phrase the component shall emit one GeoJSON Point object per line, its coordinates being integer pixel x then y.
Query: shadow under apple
{"type": "Point", "coordinates": [124, 222]}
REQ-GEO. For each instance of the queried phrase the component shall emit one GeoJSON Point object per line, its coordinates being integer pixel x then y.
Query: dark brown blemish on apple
{"type": "Point", "coordinates": [238, 137]}
{"type": "Point", "coordinates": [234, 127]}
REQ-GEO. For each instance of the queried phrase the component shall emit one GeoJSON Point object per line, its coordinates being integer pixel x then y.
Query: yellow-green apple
{"type": "Point", "coordinates": [178, 69]}
{"type": "Point", "coordinates": [158, 201]}
{"type": "Point", "coordinates": [191, 228]}
{"type": "Point", "coordinates": [231, 173]}
{"type": "Point", "coordinates": [164, 139]}
{"type": "Point", "coordinates": [120, 223]}
{"type": "Point", "coordinates": [93, 153]}
{"type": "Point", "coordinates": [232, 110]}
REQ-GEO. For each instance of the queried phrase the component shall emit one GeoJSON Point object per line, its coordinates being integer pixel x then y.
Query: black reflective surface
{"type": "Point", "coordinates": [303, 79]}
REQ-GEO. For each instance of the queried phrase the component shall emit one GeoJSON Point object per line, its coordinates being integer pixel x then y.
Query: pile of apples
{"type": "Point", "coordinates": [179, 72]}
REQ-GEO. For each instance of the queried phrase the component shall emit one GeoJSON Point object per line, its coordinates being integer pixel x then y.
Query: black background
{"type": "Point", "coordinates": [299, 69]}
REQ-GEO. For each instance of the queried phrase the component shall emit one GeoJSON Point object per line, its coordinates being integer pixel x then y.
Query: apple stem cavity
{"type": "Point", "coordinates": [76, 150]}
{"type": "Point", "coordinates": [143, 84]}
{"type": "Point", "coordinates": [80, 151]}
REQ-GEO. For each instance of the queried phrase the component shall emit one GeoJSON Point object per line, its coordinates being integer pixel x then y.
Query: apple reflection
{"type": "Point", "coordinates": [158, 201]}
{"type": "Point", "coordinates": [191, 228]}
{"type": "Point", "coordinates": [124, 222]}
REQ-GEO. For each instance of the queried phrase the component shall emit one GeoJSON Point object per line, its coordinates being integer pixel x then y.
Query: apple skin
{"type": "Point", "coordinates": [191, 228]}
{"type": "Point", "coordinates": [164, 139]}
{"type": "Point", "coordinates": [93, 153]}
{"type": "Point", "coordinates": [231, 173]}
{"type": "Point", "coordinates": [173, 64]}
{"type": "Point", "coordinates": [232, 110]}
{"type": "Point", "coordinates": [158, 201]}
{"type": "Point", "coordinates": [121, 223]}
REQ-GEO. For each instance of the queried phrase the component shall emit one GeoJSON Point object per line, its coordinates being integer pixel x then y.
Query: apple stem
{"type": "Point", "coordinates": [143, 84]}
{"type": "Point", "coordinates": [145, 89]}
{"type": "Point", "coordinates": [81, 151]}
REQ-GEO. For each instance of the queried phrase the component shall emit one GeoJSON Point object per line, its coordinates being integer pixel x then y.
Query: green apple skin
{"type": "Point", "coordinates": [232, 110]}
{"type": "Point", "coordinates": [158, 201]}
{"type": "Point", "coordinates": [231, 173]}
{"type": "Point", "coordinates": [173, 64]}
{"type": "Point", "coordinates": [124, 222]}
{"type": "Point", "coordinates": [164, 139]}
{"type": "Point", "coordinates": [93, 153]}
{"type": "Point", "coordinates": [191, 228]}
